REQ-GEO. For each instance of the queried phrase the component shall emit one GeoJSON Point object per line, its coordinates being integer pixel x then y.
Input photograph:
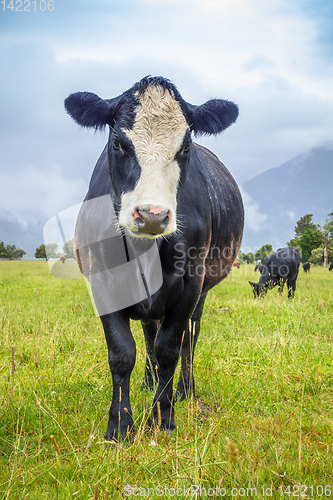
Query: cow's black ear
{"type": "Point", "coordinates": [89, 110]}
{"type": "Point", "coordinates": [251, 283]}
{"type": "Point", "coordinates": [213, 116]}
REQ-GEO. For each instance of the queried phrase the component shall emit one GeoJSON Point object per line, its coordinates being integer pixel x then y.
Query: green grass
{"type": "Point", "coordinates": [264, 368]}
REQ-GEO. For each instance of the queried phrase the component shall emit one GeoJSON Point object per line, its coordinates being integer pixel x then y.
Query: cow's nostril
{"type": "Point", "coordinates": [144, 208]}
{"type": "Point", "coordinates": [151, 221]}
{"type": "Point", "coordinates": [144, 214]}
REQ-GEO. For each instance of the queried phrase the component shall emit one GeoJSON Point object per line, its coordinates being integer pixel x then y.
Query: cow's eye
{"type": "Point", "coordinates": [186, 148]}
{"type": "Point", "coordinates": [117, 146]}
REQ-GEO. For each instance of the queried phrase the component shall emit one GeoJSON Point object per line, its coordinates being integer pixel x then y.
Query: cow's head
{"type": "Point", "coordinates": [258, 289]}
{"type": "Point", "coordinates": [149, 147]}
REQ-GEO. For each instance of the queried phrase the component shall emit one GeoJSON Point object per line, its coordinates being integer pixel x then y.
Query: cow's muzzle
{"type": "Point", "coordinates": [151, 220]}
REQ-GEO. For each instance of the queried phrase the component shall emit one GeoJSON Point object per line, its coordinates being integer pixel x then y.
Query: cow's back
{"type": "Point", "coordinates": [284, 263]}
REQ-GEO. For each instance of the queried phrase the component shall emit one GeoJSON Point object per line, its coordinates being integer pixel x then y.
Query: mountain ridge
{"type": "Point", "coordinates": [281, 195]}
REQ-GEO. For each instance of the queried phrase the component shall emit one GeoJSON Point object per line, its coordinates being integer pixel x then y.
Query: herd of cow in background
{"type": "Point", "coordinates": [307, 265]}
{"type": "Point", "coordinates": [277, 269]}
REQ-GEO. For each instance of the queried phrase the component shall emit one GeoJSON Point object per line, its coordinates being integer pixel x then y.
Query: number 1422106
{"type": "Point", "coordinates": [27, 5]}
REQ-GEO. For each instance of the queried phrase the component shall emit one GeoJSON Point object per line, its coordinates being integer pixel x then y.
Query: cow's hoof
{"type": "Point", "coordinates": [184, 395]}
{"type": "Point", "coordinates": [113, 435]}
{"type": "Point", "coordinates": [165, 427]}
{"type": "Point", "coordinates": [163, 430]}
{"type": "Point", "coordinates": [185, 391]}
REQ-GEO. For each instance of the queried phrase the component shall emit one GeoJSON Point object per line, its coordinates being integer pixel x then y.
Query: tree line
{"type": "Point", "coordinates": [50, 251]}
{"type": "Point", "coordinates": [313, 241]}
{"type": "Point", "coordinates": [10, 252]}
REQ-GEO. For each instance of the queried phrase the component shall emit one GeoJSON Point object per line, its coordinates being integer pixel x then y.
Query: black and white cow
{"type": "Point", "coordinates": [306, 267]}
{"type": "Point", "coordinates": [169, 190]}
{"type": "Point", "coordinates": [277, 269]}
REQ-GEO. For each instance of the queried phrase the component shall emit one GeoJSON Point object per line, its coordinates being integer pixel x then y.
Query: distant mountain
{"type": "Point", "coordinates": [276, 199]}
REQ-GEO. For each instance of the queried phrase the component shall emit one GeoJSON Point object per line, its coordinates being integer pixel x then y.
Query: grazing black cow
{"type": "Point", "coordinates": [331, 267]}
{"type": "Point", "coordinates": [277, 269]}
{"type": "Point", "coordinates": [169, 190]}
{"type": "Point", "coordinates": [306, 267]}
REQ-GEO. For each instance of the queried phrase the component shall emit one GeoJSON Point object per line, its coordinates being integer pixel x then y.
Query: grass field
{"type": "Point", "coordinates": [264, 368]}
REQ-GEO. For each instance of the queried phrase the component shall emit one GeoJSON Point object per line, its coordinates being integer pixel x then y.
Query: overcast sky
{"type": "Point", "coordinates": [274, 58]}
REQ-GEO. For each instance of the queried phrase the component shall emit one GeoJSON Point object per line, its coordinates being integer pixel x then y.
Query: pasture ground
{"type": "Point", "coordinates": [264, 368]}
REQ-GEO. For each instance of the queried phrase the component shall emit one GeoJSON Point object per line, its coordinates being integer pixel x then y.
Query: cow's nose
{"type": "Point", "coordinates": [151, 220]}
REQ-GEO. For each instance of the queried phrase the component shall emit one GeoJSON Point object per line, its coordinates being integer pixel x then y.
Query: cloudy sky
{"type": "Point", "coordinates": [273, 58]}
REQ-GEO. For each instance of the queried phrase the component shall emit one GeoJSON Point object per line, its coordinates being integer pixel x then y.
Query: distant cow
{"type": "Point", "coordinates": [62, 259]}
{"type": "Point", "coordinates": [236, 264]}
{"type": "Point", "coordinates": [306, 267]}
{"type": "Point", "coordinates": [331, 267]}
{"type": "Point", "coordinates": [277, 269]}
{"type": "Point", "coordinates": [169, 192]}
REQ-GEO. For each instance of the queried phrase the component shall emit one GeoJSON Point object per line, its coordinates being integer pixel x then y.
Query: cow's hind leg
{"type": "Point", "coordinates": [291, 288]}
{"type": "Point", "coordinates": [121, 354]}
{"type": "Point", "coordinates": [149, 330]}
{"type": "Point", "coordinates": [186, 384]}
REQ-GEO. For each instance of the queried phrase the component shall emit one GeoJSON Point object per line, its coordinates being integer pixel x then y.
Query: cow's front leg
{"type": "Point", "coordinates": [121, 354]}
{"type": "Point", "coordinates": [281, 285]}
{"type": "Point", "coordinates": [167, 349]}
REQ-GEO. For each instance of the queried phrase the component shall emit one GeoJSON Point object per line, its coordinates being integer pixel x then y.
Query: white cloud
{"type": "Point", "coordinates": [291, 215]}
{"type": "Point", "coordinates": [254, 219]}
{"type": "Point", "coordinates": [32, 193]}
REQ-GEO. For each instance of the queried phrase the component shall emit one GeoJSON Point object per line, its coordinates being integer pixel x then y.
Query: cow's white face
{"type": "Point", "coordinates": [157, 136]}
